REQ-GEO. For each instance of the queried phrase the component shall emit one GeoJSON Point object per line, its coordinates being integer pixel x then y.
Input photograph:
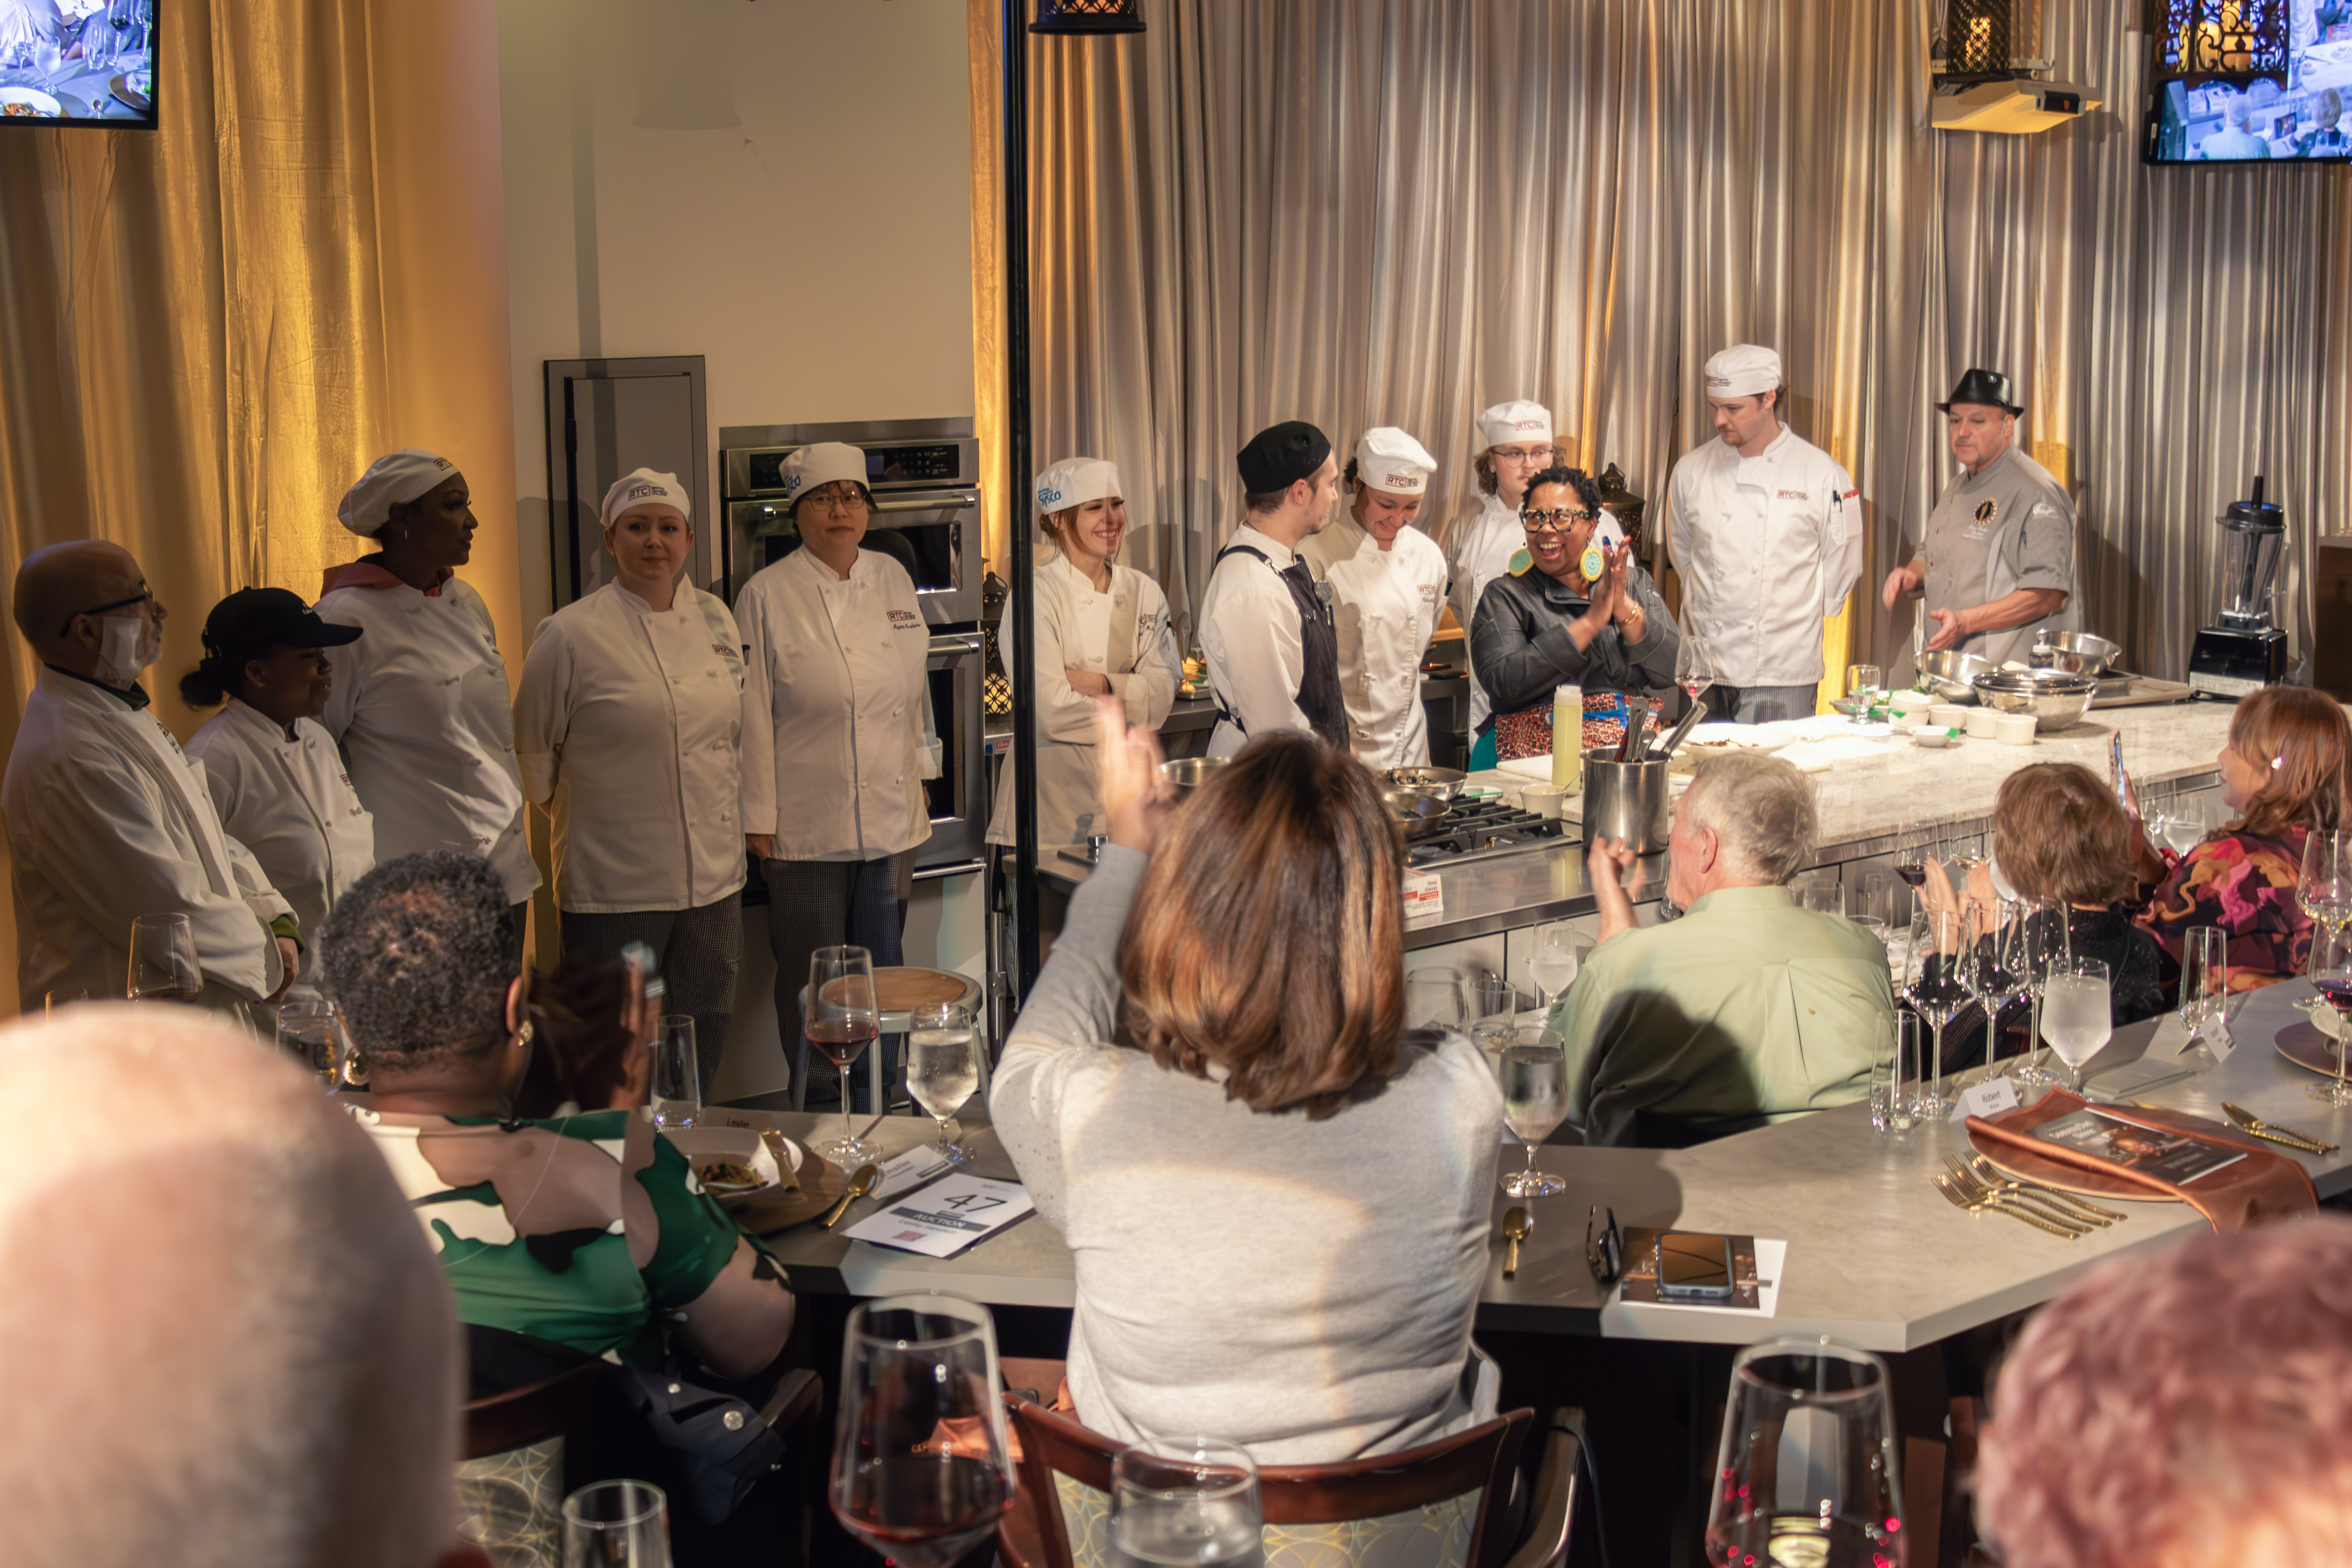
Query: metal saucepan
{"type": "Point", "coordinates": [1951, 672]}
{"type": "Point", "coordinates": [1447, 782]}
{"type": "Point", "coordinates": [2075, 653]}
{"type": "Point", "coordinates": [1189, 773]}
{"type": "Point", "coordinates": [2054, 697]}
{"type": "Point", "coordinates": [1415, 812]}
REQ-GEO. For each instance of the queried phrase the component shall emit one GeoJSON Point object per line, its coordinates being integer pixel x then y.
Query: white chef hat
{"type": "Point", "coordinates": [1743, 370]}
{"type": "Point", "coordinates": [646, 487]}
{"type": "Point", "coordinates": [392, 480]}
{"type": "Point", "coordinates": [1074, 481]}
{"type": "Point", "coordinates": [1509, 422]}
{"type": "Point", "coordinates": [823, 463]}
{"type": "Point", "coordinates": [1392, 462]}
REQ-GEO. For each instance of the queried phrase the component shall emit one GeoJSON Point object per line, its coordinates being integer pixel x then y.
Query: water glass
{"type": "Point", "coordinates": [163, 960]}
{"type": "Point", "coordinates": [1434, 999]}
{"type": "Point", "coordinates": [308, 1031]}
{"type": "Point", "coordinates": [921, 1467]}
{"type": "Point", "coordinates": [1552, 965]}
{"type": "Point", "coordinates": [1535, 1101]}
{"type": "Point", "coordinates": [2077, 1015]}
{"type": "Point", "coordinates": [677, 1087]}
{"type": "Point", "coordinates": [1806, 1470]}
{"type": "Point", "coordinates": [1492, 997]}
{"type": "Point", "coordinates": [1865, 689]}
{"type": "Point", "coordinates": [617, 1524]}
{"type": "Point", "coordinates": [1817, 891]}
{"type": "Point", "coordinates": [1893, 1073]}
{"type": "Point", "coordinates": [841, 1015]}
{"type": "Point", "coordinates": [1185, 1500]}
{"type": "Point", "coordinates": [943, 1068]}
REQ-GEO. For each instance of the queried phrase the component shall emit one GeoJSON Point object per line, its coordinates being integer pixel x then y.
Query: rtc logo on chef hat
{"type": "Point", "coordinates": [1508, 423]}
{"type": "Point", "coordinates": [823, 463]}
{"type": "Point", "coordinates": [1743, 370]}
{"type": "Point", "coordinates": [1074, 481]}
{"type": "Point", "coordinates": [1391, 461]}
{"type": "Point", "coordinates": [646, 487]}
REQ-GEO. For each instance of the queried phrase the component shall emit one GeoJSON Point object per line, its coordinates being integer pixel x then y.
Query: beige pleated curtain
{"type": "Point", "coordinates": [207, 331]}
{"type": "Point", "coordinates": [1364, 212]}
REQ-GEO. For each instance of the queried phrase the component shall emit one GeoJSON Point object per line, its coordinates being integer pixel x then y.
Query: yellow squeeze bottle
{"type": "Point", "coordinates": [1567, 737]}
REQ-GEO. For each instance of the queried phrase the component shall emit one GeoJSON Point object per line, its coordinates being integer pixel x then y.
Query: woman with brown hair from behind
{"type": "Point", "coordinates": [2282, 776]}
{"type": "Point", "coordinates": [1276, 1195]}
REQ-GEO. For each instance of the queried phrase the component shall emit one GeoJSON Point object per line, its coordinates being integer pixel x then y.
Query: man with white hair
{"type": "Point", "coordinates": [1766, 529]}
{"type": "Point", "coordinates": [1747, 1010]}
{"type": "Point", "coordinates": [227, 1344]}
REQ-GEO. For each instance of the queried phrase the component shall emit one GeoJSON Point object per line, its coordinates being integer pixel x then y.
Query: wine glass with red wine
{"type": "Point", "coordinates": [922, 1469]}
{"type": "Point", "coordinates": [2331, 974]}
{"type": "Point", "coordinates": [841, 1016]}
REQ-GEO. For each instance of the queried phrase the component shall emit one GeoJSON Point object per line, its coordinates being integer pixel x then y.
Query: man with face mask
{"type": "Point", "coordinates": [108, 819]}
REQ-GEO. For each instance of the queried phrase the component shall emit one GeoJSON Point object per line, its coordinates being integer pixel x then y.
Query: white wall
{"type": "Point", "coordinates": [782, 187]}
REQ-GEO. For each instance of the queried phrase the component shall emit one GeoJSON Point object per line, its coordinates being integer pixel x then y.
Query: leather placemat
{"type": "Point", "coordinates": [2264, 1186]}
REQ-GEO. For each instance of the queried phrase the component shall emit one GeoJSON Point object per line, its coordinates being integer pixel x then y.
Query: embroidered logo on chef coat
{"type": "Point", "coordinates": [1428, 592]}
{"type": "Point", "coordinates": [905, 620]}
{"type": "Point", "coordinates": [1796, 495]}
{"type": "Point", "coordinates": [1985, 511]}
{"type": "Point", "coordinates": [2044, 509]}
{"type": "Point", "coordinates": [1851, 495]}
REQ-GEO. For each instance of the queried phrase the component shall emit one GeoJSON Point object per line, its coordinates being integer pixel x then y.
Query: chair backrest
{"type": "Point", "coordinates": [1481, 1460]}
{"type": "Point", "coordinates": [531, 1413]}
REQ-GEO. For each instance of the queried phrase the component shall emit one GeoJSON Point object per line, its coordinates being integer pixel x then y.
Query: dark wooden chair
{"type": "Point", "coordinates": [1522, 1522]}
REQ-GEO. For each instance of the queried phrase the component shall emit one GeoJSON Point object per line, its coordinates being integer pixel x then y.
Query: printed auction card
{"type": "Point", "coordinates": [946, 1217]}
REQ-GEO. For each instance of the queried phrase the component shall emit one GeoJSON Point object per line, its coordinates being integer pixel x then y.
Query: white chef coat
{"type": "Point", "coordinates": [422, 710]}
{"type": "Point", "coordinates": [1250, 639]}
{"type": "Point", "coordinates": [108, 820]}
{"type": "Point", "coordinates": [1768, 547]}
{"type": "Point", "coordinates": [291, 803]}
{"type": "Point", "coordinates": [834, 752]}
{"type": "Point", "coordinates": [628, 722]}
{"type": "Point", "coordinates": [1386, 603]}
{"type": "Point", "coordinates": [1122, 635]}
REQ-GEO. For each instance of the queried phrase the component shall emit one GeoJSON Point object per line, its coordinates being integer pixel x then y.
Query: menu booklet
{"type": "Point", "coordinates": [2174, 1157]}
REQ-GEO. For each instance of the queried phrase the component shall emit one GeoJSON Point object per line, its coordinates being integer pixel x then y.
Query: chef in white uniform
{"type": "Point", "coordinates": [834, 650]}
{"type": "Point", "coordinates": [420, 705]}
{"type": "Point", "coordinates": [1766, 529]}
{"type": "Point", "coordinates": [627, 728]}
{"type": "Point", "coordinates": [108, 819]}
{"type": "Point", "coordinates": [1266, 628]}
{"type": "Point", "coordinates": [1387, 585]}
{"type": "Point", "coordinates": [274, 773]}
{"type": "Point", "coordinates": [1102, 631]}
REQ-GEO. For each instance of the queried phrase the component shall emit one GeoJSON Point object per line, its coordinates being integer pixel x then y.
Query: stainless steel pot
{"type": "Point", "coordinates": [1447, 781]}
{"type": "Point", "coordinates": [1951, 671]}
{"type": "Point", "coordinates": [1189, 773]}
{"type": "Point", "coordinates": [1415, 812]}
{"type": "Point", "coordinates": [1625, 800]}
{"type": "Point", "coordinates": [2075, 653]}
{"type": "Point", "coordinates": [2055, 697]}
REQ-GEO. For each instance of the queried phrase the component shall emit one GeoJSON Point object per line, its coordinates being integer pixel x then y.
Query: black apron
{"type": "Point", "coordinates": [1318, 695]}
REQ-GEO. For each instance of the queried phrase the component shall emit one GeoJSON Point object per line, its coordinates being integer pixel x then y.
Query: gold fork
{"type": "Point", "coordinates": [1970, 1179]}
{"type": "Point", "coordinates": [1975, 1186]}
{"type": "Point", "coordinates": [1943, 1186]}
{"type": "Point", "coordinates": [1988, 1173]}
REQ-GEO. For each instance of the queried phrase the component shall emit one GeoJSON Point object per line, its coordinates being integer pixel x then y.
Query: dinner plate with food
{"type": "Point", "coordinates": [731, 1163]}
{"type": "Point", "coordinates": [29, 103]}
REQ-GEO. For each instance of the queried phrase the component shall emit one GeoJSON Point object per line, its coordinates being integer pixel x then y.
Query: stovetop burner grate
{"type": "Point", "coordinates": [1480, 828]}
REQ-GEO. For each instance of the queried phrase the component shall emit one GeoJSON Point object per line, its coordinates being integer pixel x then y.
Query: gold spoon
{"type": "Point", "coordinates": [1516, 1229]}
{"type": "Point", "coordinates": [860, 1183]}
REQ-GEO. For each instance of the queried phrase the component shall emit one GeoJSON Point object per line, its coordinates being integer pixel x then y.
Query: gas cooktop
{"type": "Point", "coordinates": [1476, 829]}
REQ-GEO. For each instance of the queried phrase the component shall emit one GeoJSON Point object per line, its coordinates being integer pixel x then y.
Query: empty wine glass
{"type": "Point", "coordinates": [943, 1068]}
{"type": "Point", "coordinates": [2204, 977]}
{"type": "Point", "coordinates": [1553, 964]}
{"type": "Point", "coordinates": [1865, 689]}
{"type": "Point", "coordinates": [1185, 1500]}
{"type": "Point", "coordinates": [2331, 975]}
{"type": "Point", "coordinates": [1434, 999]}
{"type": "Point", "coordinates": [841, 1016]}
{"type": "Point", "coordinates": [617, 1524]}
{"type": "Point", "coordinates": [163, 960]}
{"type": "Point", "coordinates": [1894, 1067]}
{"type": "Point", "coordinates": [2077, 1015]}
{"type": "Point", "coordinates": [1695, 669]}
{"type": "Point", "coordinates": [1993, 966]}
{"type": "Point", "coordinates": [921, 1469]}
{"type": "Point", "coordinates": [2046, 947]}
{"type": "Point", "coordinates": [677, 1097]}
{"type": "Point", "coordinates": [1535, 1101]}
{"type": "Point", "coordinates": [1806, 1469]}
{"type": "Point", "coordinates": [1936, 990]}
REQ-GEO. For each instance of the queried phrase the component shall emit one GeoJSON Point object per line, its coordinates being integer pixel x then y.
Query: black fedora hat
{"type": "Point", "coordinates": [1986, 386]}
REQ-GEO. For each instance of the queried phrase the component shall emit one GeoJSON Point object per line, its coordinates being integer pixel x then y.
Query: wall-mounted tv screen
{"type": "Point", "coordinates": [2304, 116]}
{"type": "Point", "coordinates": [78, 62]}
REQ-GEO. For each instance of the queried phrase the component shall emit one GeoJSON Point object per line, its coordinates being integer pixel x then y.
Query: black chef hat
{"type": "Point", "coordinates": [1279, 456]}
{"type": "Point", "coordinates": [1987, 386]}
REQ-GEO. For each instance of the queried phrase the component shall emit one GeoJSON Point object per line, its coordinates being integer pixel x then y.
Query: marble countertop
{"type": "Point", "coordinates": [1876, 1257]}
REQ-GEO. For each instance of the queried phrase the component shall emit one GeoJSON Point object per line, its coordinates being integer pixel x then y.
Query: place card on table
{"type": "Point", "coordinates": [2117, 1085]}
{"type": "Point", "coordinates": [2173, 1037]}
{"type": "Point", "coordinates": [1990, 1097]}
{"type": "Point", "coordinates": [945, 1219]}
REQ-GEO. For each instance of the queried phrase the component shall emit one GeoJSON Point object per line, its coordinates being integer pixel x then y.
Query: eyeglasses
{"type": "Point", "coordinates": [1523, 453]}
{"type": "Point", "coordinates": [1604, 1249]}
{"type": "Point", "coordinates": [145, 596]}
{"type": "Point", "coordinates": [839, 500]}
{"type": "Point", "coordinates": [1557, 521]}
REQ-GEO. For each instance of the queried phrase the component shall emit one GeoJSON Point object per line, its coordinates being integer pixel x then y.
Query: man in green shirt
{"type": "Point", "coordinates": [1748, 1009]}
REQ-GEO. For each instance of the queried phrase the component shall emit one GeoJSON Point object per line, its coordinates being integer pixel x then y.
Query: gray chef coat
{"type": "Point", "coordinates": [2007, 527]}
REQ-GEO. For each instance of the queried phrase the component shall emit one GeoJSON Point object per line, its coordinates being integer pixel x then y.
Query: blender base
{"type": "Point", "coordinates": [2227, 662]}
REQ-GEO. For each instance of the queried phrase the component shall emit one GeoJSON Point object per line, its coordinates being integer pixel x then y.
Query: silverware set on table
{"type": "Point", "coordinates": [1974, 1184]}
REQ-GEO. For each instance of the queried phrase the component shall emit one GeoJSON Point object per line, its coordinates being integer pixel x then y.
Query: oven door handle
{"type": "Point", "coordinates": [933, 500]}
{"type": "Point", "coordinates": [950, 646]}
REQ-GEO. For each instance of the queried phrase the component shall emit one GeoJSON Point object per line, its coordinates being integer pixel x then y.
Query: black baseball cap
{"type": "Point", "coordinates": [1281, 455]}
{"type": "Point", "coordinates": [1986, 386]}
{"type": "Point", "coordinates": [256, 618]}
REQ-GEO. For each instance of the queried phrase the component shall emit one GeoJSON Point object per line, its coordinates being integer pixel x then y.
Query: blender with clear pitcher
{"type": "Point", "coordinates": [2244, 651]}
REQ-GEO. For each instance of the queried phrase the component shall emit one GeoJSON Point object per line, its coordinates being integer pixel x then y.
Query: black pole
{"type": "Point", "coordinates": [1016, 452]}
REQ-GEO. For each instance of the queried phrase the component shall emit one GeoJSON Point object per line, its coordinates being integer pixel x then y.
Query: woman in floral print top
{"type": "Point", "coordinates": [2282, 775]}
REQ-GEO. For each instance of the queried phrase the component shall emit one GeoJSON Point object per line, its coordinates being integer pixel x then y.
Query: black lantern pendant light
{"type": "Point", "coordinates": [2200, 39]}
{"type": "Point", "coordinates": [1088, 16]}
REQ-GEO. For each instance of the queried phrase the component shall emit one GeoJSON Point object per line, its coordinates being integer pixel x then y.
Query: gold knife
{"type": "Point", "coordinates": [2250, 1123]}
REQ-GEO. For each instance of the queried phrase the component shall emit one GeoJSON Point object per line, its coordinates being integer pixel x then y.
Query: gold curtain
{"type": "Point", "coordinates": [1399, 211]}
{"type": "Point", "coordinates": [208, 330]}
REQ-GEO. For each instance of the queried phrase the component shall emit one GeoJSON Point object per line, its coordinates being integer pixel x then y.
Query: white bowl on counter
{"type": "Point", "coordinates": [2015, 729]}
{"type": "Point", "coordinates": [1545, 800]}
{"type": "Point", "coordinates": [1933, 738]}
{"type": "Point", "coordinates": [1948, 715]}
{"type": "Point", "coordinates": [1980, 723]}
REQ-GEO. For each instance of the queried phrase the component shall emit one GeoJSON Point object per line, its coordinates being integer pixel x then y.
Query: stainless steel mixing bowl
{"type": "Point", "coordinates": [2054, 697]}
